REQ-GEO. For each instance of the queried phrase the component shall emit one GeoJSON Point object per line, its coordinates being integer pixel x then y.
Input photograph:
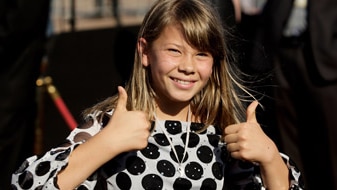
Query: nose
{"type": "Point", "coordinates": [187, 65]}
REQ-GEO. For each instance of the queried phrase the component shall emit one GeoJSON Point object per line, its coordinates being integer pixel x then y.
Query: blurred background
{"type": "Point", "coordinates": [96, 14]}
{"type": "Point", "coordinates": [64, 55]}
{"type": "Point", "coordinates": [89, 53]}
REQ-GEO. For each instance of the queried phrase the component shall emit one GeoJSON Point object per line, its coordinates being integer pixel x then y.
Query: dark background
{"type": "Point", "coordinates": [86, 67]}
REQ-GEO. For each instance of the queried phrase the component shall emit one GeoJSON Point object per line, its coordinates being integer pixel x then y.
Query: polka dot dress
{"type": "Point", "coordinates": [155, 167]}
{"type": "Point", "coordinates": [204, 162]}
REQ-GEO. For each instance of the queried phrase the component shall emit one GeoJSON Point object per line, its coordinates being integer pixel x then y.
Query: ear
{"type": "Point", "coordinates": [142, 49]}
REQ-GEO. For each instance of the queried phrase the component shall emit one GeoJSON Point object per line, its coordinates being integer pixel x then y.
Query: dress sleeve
{"type": "Point", "coordinates": [295, 177]}
{"type": "Point", "coordinates": [40, 172]}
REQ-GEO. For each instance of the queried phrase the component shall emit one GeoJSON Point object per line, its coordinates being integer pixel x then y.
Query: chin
{"type": "Point", "coordinates": [181, 99]}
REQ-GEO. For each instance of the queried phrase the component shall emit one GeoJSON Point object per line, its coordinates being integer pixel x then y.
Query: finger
{"type": "Point", "coordinates": [251, 112]}
{"type": "Point", "coordinates": [232, 138]}
{"type": "Point", "coordinates": [232, 147]}
{"type": "Point", "coordinates": [122, 99]}
{"type": "Point", "coordinates": [230, 129]}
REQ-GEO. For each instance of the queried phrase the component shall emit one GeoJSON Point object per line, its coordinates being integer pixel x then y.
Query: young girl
{"type": "Point", "coordinates": [178, 124]}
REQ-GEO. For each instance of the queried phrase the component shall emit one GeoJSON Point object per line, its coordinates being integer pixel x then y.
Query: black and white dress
{"type": "Point", "coordinates": [205, 162]}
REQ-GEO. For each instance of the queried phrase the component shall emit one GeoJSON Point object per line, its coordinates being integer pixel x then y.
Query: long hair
{"type": "Point", "coordinates": [219, 102]}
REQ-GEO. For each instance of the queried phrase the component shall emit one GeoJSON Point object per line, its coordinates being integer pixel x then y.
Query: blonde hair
{"type": "Point", "coordinates": [218, 103]}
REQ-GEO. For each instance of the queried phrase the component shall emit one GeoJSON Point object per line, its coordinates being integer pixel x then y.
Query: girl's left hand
{"type": "Point", "coordinates": [247, 141]}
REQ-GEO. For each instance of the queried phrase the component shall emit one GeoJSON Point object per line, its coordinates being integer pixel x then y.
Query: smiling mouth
{"type": "Point", "coordinates": [183, 82]}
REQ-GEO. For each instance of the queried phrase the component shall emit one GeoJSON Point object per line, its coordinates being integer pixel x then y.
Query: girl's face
{"type": "Point", "coordinates": [179, 71]}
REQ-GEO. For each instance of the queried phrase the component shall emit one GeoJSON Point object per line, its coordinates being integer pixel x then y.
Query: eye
{"type": "Point", "coordinates": [174, 52]}
{"type": "Point", "coordinates": [204, 54]}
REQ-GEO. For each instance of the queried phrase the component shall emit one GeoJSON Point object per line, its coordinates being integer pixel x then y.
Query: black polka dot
{"type": "Point", "coordinates": [105, 119]}
{"type": "Point", "coordinates": [213, 140]}
{"type": "Point", "coordinates": [180, 152]}
{"type": "Point", "coordinates": [166, 168]}
{"type": "Point", "coordinates": [217, 170]}
{"type": "Point", "coordinates": [225, 155]}
{"type": "Point", "coordinates": [193, 140]}
{"type": "Point", "coordinates": [123, 181]}
{"type": "Point", "coordinates": [51, 174]}
{"type": "Point", "coordinates": [26, 180]}
{"type": "Point", "coordinates": [161, 139]}
{"type": "Point", "coordinates": [62, 156]}
{"type": "Point", "coordinates": [66, 143]}
{"type": "Point", "coordinates": [208, 184]}
{"type": "Point", "coordinates": [182, 184]}
{"type": "Point", "coordinates": [205, 154]}
{"type": "Point", "coordinates": [173, 127]}
{"type": "Point", "coordinates": [198, 127]}
{"type": "Point", "coordinates": [135, 165]}
{"type": "Point", "coordinates": [193, 170]}
{"type": "Point", "coordinates": [81, 136]}
{"type": "Point", "coordinates": [151, 151]}
{"type": "Point", "coordinates": [42, 168]}
{"type": "Point", "coordinates": [87, 123]}
{"type": "Point", "coordinates": [152, 182]}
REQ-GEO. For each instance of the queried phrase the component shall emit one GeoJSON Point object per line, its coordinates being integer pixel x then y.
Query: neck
{"type": "Point", "coordinates": [182, 114]}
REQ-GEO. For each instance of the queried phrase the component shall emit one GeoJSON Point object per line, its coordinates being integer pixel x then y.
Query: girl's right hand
{"type": "Point", "coordinates": [125, 131]}
{"type": "Point", "coordinates": [129, 130]}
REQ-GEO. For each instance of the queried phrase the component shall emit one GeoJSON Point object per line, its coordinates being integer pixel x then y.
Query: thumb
{"type": "Point", "coordinates": [122, 99]}
{"type": "Point", "coordinates": [251, 114]}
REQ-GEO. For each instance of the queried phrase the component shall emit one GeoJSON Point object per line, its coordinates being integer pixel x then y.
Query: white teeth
{"type": "Point", "coordinates": [182, 81]}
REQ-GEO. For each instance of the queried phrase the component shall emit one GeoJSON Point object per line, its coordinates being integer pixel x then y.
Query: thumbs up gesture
{"type": "Point", "coordinates": [247, 141]}
{"type": "Point", "coordinates": [129, 130]}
